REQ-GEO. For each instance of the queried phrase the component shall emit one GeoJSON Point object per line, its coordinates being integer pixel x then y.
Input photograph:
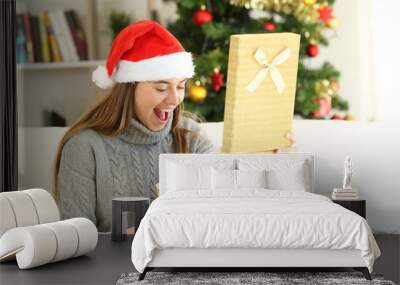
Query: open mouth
{"type": "Point", "coordinates": [162, 115]}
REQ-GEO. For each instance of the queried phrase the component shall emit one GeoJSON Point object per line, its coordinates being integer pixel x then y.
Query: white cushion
{"type": "Point", "coordinates": [251, 178]}
{"type": "Point", "coordinates": [223, 179]}
{"type": "Point", "coordinates": [183, 177]}
{"type": "Point", "coordinates": [282, 174]}
{"type": "Point", "coordinates": [293, 179]}
{"type": "Point", "coordinates": [231, 180]}
{"type": "Point", "coordinates": [170, 163]}
{"type": "Point", "coordinates": [230, 161]}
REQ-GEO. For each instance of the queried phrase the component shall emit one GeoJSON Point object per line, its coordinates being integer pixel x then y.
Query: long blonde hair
{"type": "Point", "coordinates": [109, 117]}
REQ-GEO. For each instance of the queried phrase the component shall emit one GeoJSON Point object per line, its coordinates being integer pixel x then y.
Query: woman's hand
{"type": "Point", "coordinates": [290, 148]}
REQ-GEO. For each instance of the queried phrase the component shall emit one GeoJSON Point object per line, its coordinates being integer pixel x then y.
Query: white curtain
{"type": "Point", "coordinates": [386, 59]}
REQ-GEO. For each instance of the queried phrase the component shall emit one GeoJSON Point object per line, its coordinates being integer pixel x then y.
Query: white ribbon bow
{"type": "Point", "coordinates": [276, 76]}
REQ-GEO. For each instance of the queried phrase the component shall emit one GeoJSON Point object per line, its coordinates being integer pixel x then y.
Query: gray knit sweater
{"type": "Point", "coordinates": [95, 168]}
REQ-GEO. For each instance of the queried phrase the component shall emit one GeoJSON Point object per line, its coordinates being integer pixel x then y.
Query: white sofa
{"type": "Point", "coordinates": [373, 147]}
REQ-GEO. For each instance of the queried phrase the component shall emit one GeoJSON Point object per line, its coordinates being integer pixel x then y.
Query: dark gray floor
{"type": "Point", "coordinates": [110, 260]}
{"type": "Point", "coordinates": [389, 262]}
{"type": "Point", "coordinates": [103, 266]}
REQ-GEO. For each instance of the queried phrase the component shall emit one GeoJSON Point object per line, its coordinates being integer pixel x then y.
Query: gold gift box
{"type": "Point", "coordinates": [260, 120]}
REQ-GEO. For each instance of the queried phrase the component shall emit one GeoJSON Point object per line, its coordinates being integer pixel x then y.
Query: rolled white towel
{"type": "Point", "coordinates": [40, 244]}
{"type": "Point", "coordinates": [45, 206]}
{"type": "Point", "coordinates": [27, 208]}
{"type": "Point", "coordinates": [23, 209]}
{"type": "Point", "coordinates": [7, 220]}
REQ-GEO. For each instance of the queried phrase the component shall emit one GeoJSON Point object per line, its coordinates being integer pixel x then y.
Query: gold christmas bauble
{"type": "Point", "coordinates": [197, 93]}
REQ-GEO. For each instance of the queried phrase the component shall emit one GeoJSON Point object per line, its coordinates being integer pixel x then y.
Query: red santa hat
{"type": "Point", "coordinates": [144, 51]}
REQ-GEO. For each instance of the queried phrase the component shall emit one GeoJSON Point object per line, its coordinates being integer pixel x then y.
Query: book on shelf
{"type": "Point", "coordinates": [28, 37]}
{"type": "Point", "coordinates": [50, 36]}
{"type": "Point", "coordinates": [55, 53]}
{"type": "Point", "coordinates": [77, 33]}
{"type": "Point", "coordinates": [37, 50]}
{"type": "Point", "coordinates": [72, 48]}
{"type": "Point", "coordinates": [59, 35]}
{"type": "Point", "coordinates": [20, 42]}
{"type": "Point", "coordinates": [44, 39]}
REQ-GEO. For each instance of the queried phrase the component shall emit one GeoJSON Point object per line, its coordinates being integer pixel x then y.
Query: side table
{"type": "Point", "coordinates": [137, 205]}
{"type": "Point", "coordinates": [357, 206]}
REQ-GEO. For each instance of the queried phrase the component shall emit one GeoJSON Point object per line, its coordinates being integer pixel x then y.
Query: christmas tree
{"type": "Point", "coordinates": [204, 28]}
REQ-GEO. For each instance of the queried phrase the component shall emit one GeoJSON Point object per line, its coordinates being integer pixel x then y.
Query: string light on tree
{"type": "Point", "coordinates": [332, 23]}
{"type": "Point", "coordinates": [335, 85]}
{"type": "Point", "coordinates": [326, 87]}
{"type": "Point", "coordinates": [202, 16]}
{"type": "Point", "coordinates": [310, 2]}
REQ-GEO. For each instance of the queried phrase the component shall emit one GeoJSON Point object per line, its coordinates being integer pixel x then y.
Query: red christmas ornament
{"type": "Point", "coordinates": [325, 14]}
{"type": "Point", "coordinates": [312, 50]}
{"type": "Point", "coordinates": [269, 26]}
{"type": "Point", "coordinates": [217, 80]}
{"type": "Point", "coordinates": [337, 117]}
{"type": "Point", "coordinates": [201, 17]}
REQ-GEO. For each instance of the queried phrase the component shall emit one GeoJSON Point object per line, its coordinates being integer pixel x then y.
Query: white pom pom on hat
{"type": "Point", "coordinates": [100, 78]}
{"type": "Point", "coordinates": [144, 51]}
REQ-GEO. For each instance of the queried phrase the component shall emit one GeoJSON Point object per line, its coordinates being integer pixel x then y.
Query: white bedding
{"type": "Point", "coordinates": [250, 218]}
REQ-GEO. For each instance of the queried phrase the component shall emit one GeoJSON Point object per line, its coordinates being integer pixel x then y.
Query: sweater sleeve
{"type": "Point", "coordinates": [201, 144]}
{"type": "Point", "coordinates": [76, 180]}
{"type": "Point", "coordinates": [197, 138]}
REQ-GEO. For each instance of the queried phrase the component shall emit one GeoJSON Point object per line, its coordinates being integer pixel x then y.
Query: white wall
{"type": "Point", "coordinates": [138, 10]}
{"type": "Point", "coordinates": [386, 58]}
{"type": "Point", "coordinates": [376, 158]}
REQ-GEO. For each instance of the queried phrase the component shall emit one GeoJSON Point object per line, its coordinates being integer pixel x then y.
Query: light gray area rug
{"type": "Point", "coordinates": [269, 278]}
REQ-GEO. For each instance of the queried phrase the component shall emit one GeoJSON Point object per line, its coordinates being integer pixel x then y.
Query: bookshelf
{"type": "Point", "coordinates": [84, 12]}
{"type": "Point", "coordinates": [63, 88]}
